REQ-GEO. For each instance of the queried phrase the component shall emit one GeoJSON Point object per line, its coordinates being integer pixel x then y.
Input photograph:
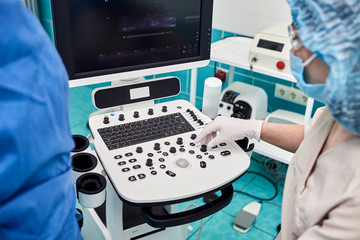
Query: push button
{"type": "Point", "coordinates": [225, 153]}
{"type": "Point", "coordinates": [280, 65]}
{"type": "Point", "coordinates": [203, 164]}
{"type": "Point", "coordinates": [132, 178]}
{"type": "Point", "coordinates": [170, 173]}
{"type": "Point", "coordinates": [136, 167]}
{"type": "Point", "coordinates": [141, 176]}
{"type": "Point", "coordinates": [128, 154]}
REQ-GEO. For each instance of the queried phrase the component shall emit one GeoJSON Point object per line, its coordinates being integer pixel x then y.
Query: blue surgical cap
{"type": "Point", "coordinates": [331, 29]}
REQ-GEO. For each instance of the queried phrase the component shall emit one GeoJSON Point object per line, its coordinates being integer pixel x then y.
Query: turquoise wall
{"type": "Point", "coordinates": [256, 79]}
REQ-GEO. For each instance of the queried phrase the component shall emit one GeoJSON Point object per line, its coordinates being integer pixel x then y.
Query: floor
{"type": "Point", "coordinates": [219, 225]}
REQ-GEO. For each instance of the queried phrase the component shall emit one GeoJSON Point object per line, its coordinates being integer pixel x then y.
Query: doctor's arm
{"type": "Point", "coordinates": [224, 129]}
{"type": "Point", "coordinates": [285, 136]}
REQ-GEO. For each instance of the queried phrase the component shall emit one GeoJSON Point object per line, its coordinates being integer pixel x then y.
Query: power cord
{"type": "Point", "coordinates": [260, 198]}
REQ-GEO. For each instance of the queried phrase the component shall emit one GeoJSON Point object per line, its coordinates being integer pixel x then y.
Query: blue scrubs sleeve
{"type": "Point", "coordinates": [37, 198]}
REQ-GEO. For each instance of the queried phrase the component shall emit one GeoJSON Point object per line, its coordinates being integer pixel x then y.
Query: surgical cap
{"type": "Point", "coordinates": [331, 29]}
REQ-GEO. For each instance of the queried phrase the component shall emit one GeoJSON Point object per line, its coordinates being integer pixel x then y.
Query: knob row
{"type": "Point", "coordinates": [135, 115]}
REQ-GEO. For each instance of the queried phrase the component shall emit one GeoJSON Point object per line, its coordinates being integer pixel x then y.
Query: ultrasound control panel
{"type": "Point", "coordinates": [150, 156]}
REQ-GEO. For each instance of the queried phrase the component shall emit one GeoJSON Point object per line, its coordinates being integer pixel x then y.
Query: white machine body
{"type": "Point", "coordinates": [244, 101]}
{"type": "Point", "coordinates": [270, 49]}
{"type": "Point", "coordinates": [186, 173]}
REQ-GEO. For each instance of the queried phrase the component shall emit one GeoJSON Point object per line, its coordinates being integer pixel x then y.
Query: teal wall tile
{"type": "Point", "coordinates": [271, 79]}
{"type": "Point", "coordinates": [216, 35]}
{"type": "Point", "coordinates": [198, 103]}
{"type": "Point", "coordinates": [242, 71]}
{"type": "Point", "coordinates": [243, 78]}
{"type": "Point", "coordinates": [203, 74]}
{"type": "Point", "coordinates": [277, 103]}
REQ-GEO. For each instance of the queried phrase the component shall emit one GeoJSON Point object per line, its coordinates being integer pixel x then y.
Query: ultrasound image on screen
{"type": "Point", "coordinates": [112, 33]}
{"type": "Point", "coordinates": [149, 15]}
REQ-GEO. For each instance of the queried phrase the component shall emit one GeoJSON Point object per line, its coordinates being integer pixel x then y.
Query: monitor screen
{"type": "Point", "coordinates": [107, 40]}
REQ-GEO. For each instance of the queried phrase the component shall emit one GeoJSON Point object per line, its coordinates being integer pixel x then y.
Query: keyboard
{"type": "Point", "coordinates": [124, 135]}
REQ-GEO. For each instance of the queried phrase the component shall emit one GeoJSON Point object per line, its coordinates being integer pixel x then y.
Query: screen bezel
{"type": "Point", "coordinates": [63, 43]}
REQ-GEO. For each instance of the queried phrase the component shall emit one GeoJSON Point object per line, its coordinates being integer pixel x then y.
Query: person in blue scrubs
{"type": "Point", "coordinates": [37, 197]}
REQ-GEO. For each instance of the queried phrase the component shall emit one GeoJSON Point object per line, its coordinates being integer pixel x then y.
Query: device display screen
{"type": "Point", "coordinates": [108, 34]}
{"type": "Point", "coordinates": [270, 45]}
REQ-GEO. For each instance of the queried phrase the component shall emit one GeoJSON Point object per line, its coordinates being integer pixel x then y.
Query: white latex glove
{"type": "Point", "coordinates": [225, 129]}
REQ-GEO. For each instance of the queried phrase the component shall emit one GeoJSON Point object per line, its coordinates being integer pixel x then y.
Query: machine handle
{"type": "Point", "coordinates": [181, 218]}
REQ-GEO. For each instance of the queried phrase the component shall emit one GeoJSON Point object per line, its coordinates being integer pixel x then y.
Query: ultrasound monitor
{"type": "Point", "coordinates": [108, 40]}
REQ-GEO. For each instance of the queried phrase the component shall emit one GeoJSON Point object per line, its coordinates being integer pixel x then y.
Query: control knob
{"type": "Point", "coordinates": [149, 162]}
{"type": "Point", "coordinates": [106, 120]}
{"type": "Point", "coordinates": [193, 136]}
{"type": "Point", "coordinates": [179, 141]}
{"type": "Point", "coordinates": [121, 117]}
{"type": "Point", "coordinates": [136, 114]}
{"type": "Point", "coordinates": [203, 148]}
{"type": "Point", "coordinates": [173, 150]}
{"type": "Point", "coordinates": [139, 150]}
{"type": "Point", "coordinates": [151, 111]}
{"type": "Point", "coordinates": [157, 146]}
{"type": "Point", "coordinates": [164, 109]}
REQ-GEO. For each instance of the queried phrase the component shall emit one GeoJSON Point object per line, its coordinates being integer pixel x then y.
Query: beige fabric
{"type": "Point", "coordinates": [322, 193]}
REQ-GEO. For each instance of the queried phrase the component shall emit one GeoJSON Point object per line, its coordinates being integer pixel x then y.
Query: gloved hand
{"type": "Point", "coordinates": [225, 129]}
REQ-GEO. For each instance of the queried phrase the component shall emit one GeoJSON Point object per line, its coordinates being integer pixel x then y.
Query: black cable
{"type": "Point", "coordinates": [256, 197]}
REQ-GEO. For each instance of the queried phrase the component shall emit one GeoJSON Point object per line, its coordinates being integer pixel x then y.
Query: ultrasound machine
{"type": "Point", "coordinates": [145, 161]}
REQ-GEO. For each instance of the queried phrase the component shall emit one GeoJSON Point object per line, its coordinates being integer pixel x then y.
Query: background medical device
{"type": "Point", "coordinates": [285, 117]}
{"type": "Point", "coordinates": [270, 49]}
{"type": "Point", "coordinates": [245, 101]}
